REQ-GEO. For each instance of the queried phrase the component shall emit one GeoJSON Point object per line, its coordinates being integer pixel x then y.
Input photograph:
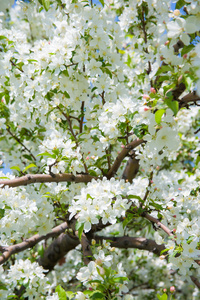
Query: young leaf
{"type": "Point", "coordinates": [61, 293]}
{"type": "Point", "coordinates": [46, 4]}
{"type": "Point", "coordinates": [173, 105]}
{"type": "Point", "coordinates": [158, 115]}
{"type": "Point", "coordinates": [102, 2]}
{"type": "Point", "coordinates": [180, 4]}
{"type": "Point", "coordinates": [15, 168]}
{"type": "Point", "coordinates": [80, 231]}
{"type": "Point", "coordinates": [47, 154]}
{"type": "Point", "coordinates": [29, 166]}
{"type": "Point", "coordinates": [162, 297]}
{"type": "Point", "coordinates": [70, 295]}
{"type": "Point", "coordinates": [97, 295]}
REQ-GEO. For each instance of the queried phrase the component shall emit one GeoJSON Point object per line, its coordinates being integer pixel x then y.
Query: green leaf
{"type": "Point", "coordinates": [32, 60]}
{"type": "Point", "coordinates": [121, 51]}
{"type": "Point", "coordinates": [162, 297]}
{"type": "Point", "coordinates": [2, 37]}
{"type": "Point", "coordinates": [135, 197]}
{"type": "Point", "coordinates": [70, 295]}
{"type": "Point", "coordinates": [188, 81]}
{"type": "Point", "coordinates": [158, 115]}
{"type": "Point", "coordinates": [173, 105]}
{"type": "Point", "coordinates": [2, 212]}
{"type": "Point", "coordinates": [187, 49]}
{"type": "Point", "coordinates": [65, 72]}
{"type": "Point", "coordinates": [120, 279]}
{"type": "Point", "coordinates": [102, 2]}
{"type": "Point", "coordinates": [179, 4]}
{"type": "Point", "coordinates": [15, 168]}
{"type": "Point", "coordinates": [66, 95]}
{"type": "Point", "coordinates": [163, 69]}
{"type": "Point", "coordinates": [163, 78]}
{"type": "Point", "coordinates": [29, 166]}
{"type": "Point", "coordinates": [3, 286]}
{"type": "Point", "coordinates": [40, 250]}
{"type": "Point", "coordinates": [107, 71]}
{"type": "Point", "coordinates": [61, 293]}
{"type": "Point", "coordinates": [198, 159]}
{"type": "Point", "coordinates": [129, 61]}
{"type": "Point", "coordinates": [47, 154]}
{"type": "Point", "coordinates": [46, 4]}
{"type": "Point", "coordinates": [80, 231]}
{"type": "Point", "coordinates": [55, 151]}
{"type": "Point", "coordinates": [97, 295]}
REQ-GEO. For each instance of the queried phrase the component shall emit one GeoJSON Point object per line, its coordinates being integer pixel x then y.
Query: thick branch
{"type": "Point", "coordinates": [61, 246]}
{"type": "Point", "coordinates": [40, 178]}
{"type": "Point", "coordinates": [131, 169]}
{"type": "Point", "coordinates": [87, 252]}
{"type": "Point", "coordinates": [133, 242]}
{"type": "Point", "coordinates": [191, 97]}
{"type": "Point", "coordinates": [64, 243]}
{"type": "Point", "coordinates": [29, 243]}
{"type": "Point", "coordinates": [178, 46]}
{"type": "Point", "coordinates": [195, 281]}
{"type": "Point", "coordinates": [177, 91]}
{"type": "Point", "coordinates": [122, 155]}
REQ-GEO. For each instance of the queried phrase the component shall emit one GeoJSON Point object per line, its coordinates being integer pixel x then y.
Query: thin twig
{"type": "Point", "coordinates": [73, 134]}
{"type": "Point", "coordinates": [82, 117]}
{"type": "Point", "coordinates": [87, 252]}
{"type": "Point", "coordinates": [108, 158]}
{"type": "Point", "coordinates": [18, 140]}
{"type": "Point", "coordinates": [147, 189]}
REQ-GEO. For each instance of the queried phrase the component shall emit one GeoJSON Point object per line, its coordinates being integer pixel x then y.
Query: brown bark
{"type": "Point", "coordinates": [58, 248]}
{"type": "Point", "coordinates": [131, 169]}
{"type": "Point", "coordinates": [122, 155]}
{"type": "Point", "coordinates": [41, 178]}
{"type": "Point", "coordinates": [126, 242]}
{"type": "Point", "coordinates": [29, 243]}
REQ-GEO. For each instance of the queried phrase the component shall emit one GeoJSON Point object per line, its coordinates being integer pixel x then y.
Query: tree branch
{"type": "Point", "coordinates": [131, 169]}
{"type": "Point", "coordinates": [41, 178]}
{"type": "Point", "coordinates": [132, 242]}
{"type": "Point", "coordinates": [58, 248]}
{"type": "Point", "coordinates": [87, 252]}
{"type": "Point", "coordinates": [122, 155]}
{"type": "Point", "coordinates": [157, 222]}
{"type": "Point", "coordinates": [18, 140]}
{"type": "Point", "coordinates": [195, 281]}
{"type": "Point", "coordinates": [29, 243]}
{"type": "Point", "coordinates": [191, 97]}
{"type": "Point", "coordinates": [72, 132]}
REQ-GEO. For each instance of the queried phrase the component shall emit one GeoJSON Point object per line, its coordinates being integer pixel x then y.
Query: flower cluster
{"type": "Point", "coordinates": [103, 199]}
{"type": "Point", "coordinates": [27, 274]}
{"type": "Point", "coordinates": [17, 203]}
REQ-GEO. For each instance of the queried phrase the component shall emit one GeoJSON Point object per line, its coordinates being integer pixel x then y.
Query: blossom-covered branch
{"type": "Point", "coordinates": [7, 251]}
